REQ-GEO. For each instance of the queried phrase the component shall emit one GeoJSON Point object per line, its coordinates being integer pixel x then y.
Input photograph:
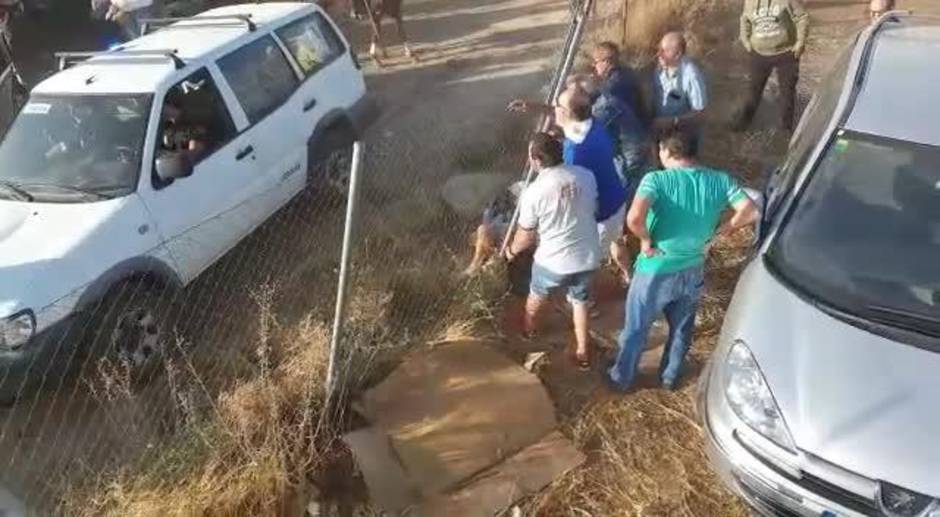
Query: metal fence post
{"type": "Point", "coordinates": [572, 40]}
{"type": "Point", "coordinates": [352, 203]}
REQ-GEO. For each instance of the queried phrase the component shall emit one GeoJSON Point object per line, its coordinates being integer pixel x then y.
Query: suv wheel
{"type": "Point", "coordinates": [135, 327]}
{"type": "Point", "coordinates": [330, 160]}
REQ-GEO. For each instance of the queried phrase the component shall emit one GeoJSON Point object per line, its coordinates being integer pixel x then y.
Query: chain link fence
{"type": "Point", "coordinates": [126, 396]}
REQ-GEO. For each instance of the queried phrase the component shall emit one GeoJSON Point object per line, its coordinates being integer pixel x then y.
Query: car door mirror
{"type": "Point", "coordinates": [174, 166]}
{"type": "Point", "coordinates": [757, 197]}
{"type": "Point", "coordinates": [760, 201]}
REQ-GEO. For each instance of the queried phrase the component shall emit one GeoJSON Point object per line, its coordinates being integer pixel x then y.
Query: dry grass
{"type": "Point", "coordinates": [645, 450]}
{"type": "Point", "coordinates": [248, 456]}
{"type": "Point", "coordinates": [256, 447]}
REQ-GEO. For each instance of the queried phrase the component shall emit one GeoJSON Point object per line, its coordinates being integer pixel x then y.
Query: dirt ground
{"type": "Point", "coordinates": [442, 114]}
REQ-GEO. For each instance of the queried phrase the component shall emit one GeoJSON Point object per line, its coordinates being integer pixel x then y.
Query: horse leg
{"type": "Point", "coordinates": [403, 37]}
{"type": "Point", "coordinates": [376, 49]}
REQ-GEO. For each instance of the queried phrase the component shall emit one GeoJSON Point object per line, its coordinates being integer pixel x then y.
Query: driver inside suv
{"type": "Point", "coordinates": [181, 134]}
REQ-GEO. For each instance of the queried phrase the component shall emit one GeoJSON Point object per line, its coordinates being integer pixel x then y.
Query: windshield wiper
{"type": "Point", "coordinates": [70, 188]}
{"type": "Point", "coordinates": [906, 319]}
{"type": "Point", "coordinates": [17, 190]}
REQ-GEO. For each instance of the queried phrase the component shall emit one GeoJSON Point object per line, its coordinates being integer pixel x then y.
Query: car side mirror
{"type": "Point", "coordinates": [760, 201]}
{"type": "Point", "coordinates": [173, 166]}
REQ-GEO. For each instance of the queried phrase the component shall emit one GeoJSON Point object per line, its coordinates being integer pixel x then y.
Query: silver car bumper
{"type": "Point", "coordinates": [769, 489]}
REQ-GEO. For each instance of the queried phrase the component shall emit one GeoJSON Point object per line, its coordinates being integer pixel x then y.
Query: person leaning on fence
{"type": "Point", "coordinates": [679, 89]}
{"type": "Point", "coordinates": [774, 34]}
{"type": "Point", "coordinates": [557, 217]}
{"type": "Point", "coordinates": [674, 214]}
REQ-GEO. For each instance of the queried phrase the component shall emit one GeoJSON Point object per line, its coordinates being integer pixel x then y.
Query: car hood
{"type": "Point", "coordinates": [850, 397]}
{"type": "Point", "coordinates": [48, 250]}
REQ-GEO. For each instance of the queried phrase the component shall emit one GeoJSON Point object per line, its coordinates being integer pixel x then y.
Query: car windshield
{"type": "Point", "coordinates": [864, 237]}
{"type": "Point", "coordinates": [75, 148]}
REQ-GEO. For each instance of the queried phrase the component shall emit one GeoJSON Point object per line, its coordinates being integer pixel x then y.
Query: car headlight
{"type": "Point", "coordinates": [16, 330]}
{"type": "Point", "coordinates": [750, 398]}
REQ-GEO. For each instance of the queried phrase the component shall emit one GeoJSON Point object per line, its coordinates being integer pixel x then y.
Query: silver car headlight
{"type": "Point", "coordinates": [17, 330]}
{"type": "Point", "coordinates": [750, 398]}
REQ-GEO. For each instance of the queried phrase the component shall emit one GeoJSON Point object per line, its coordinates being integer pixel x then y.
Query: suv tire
{"type": "Point", "coordinates": [330, 160]}
{"type": "Point", "coordinates": [134, 326]}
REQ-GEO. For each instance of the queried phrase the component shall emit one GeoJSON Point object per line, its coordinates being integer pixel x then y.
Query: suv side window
{"type": "Point", "coordinates": [194, 119]}
{"type": "Point", "coordinates": [817, 119]}
{"type": "Point", "coordinates": [260, 76]}
{"type": "Point", "coordinates": [312, 42]}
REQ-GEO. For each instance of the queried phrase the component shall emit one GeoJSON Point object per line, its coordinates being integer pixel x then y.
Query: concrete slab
{"type": "Point", "coordinates": [494, 490]}
{"type": "Point", "coordinates": [455, 410]}
{"type": "Point", "coordinates": [389, 485]}
{"type": "Point", "coordinates": [469, 194]}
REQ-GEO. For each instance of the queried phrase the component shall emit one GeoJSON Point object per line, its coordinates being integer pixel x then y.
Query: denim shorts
{"type": "Point", "coordinates": [544, 282]}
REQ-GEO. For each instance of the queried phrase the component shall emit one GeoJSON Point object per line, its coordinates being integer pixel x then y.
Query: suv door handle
{"type": "Point", "coordinates": [244, 152]}
{"type": "Point", "coordinates": [310, 105]}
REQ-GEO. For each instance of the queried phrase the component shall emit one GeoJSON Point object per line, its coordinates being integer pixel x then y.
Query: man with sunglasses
{"type": "Point", "coordinates": [615, 99]}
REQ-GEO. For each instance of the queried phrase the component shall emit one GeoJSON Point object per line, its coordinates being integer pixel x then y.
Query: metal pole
{"type": "Point", "coordinates": [557, 87]}
{"type": "Point", "coordinates": [352, 203]}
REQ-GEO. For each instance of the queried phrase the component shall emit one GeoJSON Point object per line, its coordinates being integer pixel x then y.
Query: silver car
{"type": "Point", "coordinates": [823, 397]}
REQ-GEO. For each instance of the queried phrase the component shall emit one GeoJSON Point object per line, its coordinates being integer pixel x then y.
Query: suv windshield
{"type": "Point", "coordinates": [865, 235]}
{"type": "Point", "coordinates": [75, 148]}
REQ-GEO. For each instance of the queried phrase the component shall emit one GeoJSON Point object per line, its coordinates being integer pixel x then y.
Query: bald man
{"type": "Point", "coordinates": [679, 90]}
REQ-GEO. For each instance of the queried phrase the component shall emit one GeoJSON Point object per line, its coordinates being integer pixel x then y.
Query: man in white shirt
{"type": "Point", "coordinates": [558, 212]}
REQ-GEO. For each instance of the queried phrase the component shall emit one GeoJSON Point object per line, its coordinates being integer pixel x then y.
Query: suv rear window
{"type": "Point", "coordinates": [312, 42]}
{"type": "Point", "coordinates": [260, 76]}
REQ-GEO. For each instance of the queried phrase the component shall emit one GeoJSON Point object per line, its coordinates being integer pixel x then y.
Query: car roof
{"type": "Point", "coordinates": [897, 98]}
{"type": "Point", "coordinates": [107, 74]}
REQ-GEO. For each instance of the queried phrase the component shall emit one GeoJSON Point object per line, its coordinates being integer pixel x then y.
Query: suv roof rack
{"type": "Point", "coordinates": [147, 23]}
{"type": "Point", "coordinates": [67, 59]}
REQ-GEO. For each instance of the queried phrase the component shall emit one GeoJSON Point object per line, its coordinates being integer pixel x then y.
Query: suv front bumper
{"type": "Point", "coordinates": [767, 488]}
{"type": "Point", "coordinates": [43, 359]}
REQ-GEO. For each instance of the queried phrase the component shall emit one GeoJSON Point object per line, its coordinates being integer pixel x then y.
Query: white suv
{"type": "Point", "coordinates": [145, 164]}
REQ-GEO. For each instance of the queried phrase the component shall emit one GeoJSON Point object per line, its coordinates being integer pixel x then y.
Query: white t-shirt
{"type": "Point", "coordinates": [560, 206]}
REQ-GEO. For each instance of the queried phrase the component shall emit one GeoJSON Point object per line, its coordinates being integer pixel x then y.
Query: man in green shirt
{"type": "Point", "coordinates": [774, 34]}
{"type": "Point", "coordinates": [675, 214]}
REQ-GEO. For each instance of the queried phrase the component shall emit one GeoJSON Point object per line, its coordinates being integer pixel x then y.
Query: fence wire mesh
{"type": "Point", "coordinates": [128, 384]}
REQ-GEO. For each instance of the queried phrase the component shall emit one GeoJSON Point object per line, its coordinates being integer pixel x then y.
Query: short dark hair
{"type": "Point", "coordinates": [579, 104]}
{"type": "Point", "coordinates": [546, 149]}
{"type": "Point", "coordinates": [679, 143]}
{"type": "Point", "coordinates": [611, 48]}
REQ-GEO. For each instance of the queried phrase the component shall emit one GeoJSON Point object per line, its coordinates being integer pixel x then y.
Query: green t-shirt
{"type": "Point", "coordinates": [686, 205]}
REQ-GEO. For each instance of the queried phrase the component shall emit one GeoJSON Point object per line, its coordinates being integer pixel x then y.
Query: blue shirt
{"type": "Point", "coordinates": [589, 146]}
{"type": "Point", "coordinates": [616, 108]}
{"type": "Point", "coordinates": [680, 91]}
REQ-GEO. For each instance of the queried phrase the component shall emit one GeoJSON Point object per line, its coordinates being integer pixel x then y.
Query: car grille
{"type": "Point", "coordinates": [821, 487]}
{"type": "Point", "coordinates": [762, 503]}
{"type": "Point", "coordinates": [838, 494]}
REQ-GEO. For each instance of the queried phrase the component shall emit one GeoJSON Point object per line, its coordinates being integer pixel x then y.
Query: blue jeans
{"type": "Point", "coordinates": [675, 295]}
